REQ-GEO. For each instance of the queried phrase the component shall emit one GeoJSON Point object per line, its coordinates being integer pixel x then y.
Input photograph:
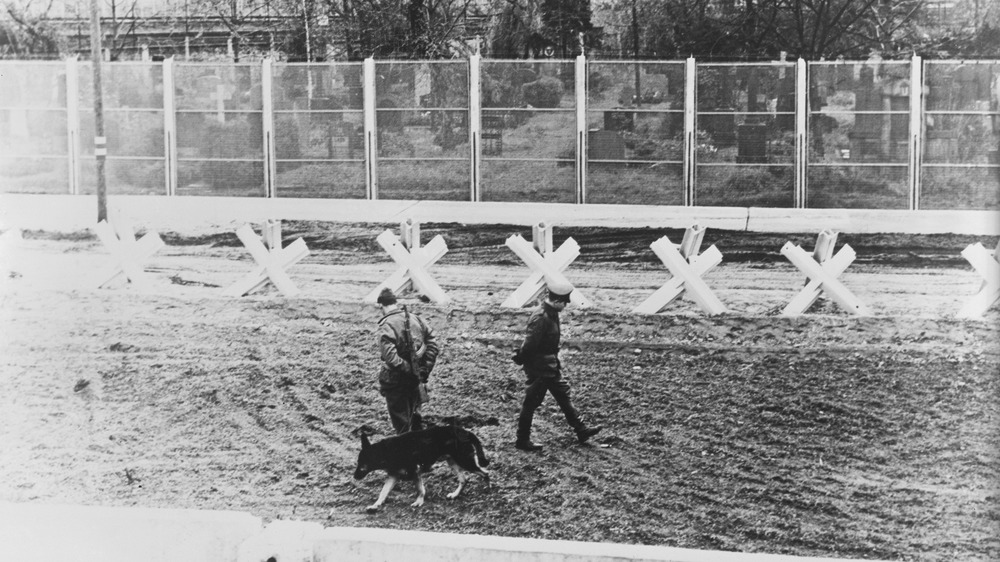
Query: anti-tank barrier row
{"type": "Point", "coordinates": [684, 260]}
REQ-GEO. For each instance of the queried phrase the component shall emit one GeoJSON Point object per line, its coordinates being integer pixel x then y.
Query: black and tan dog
{"type": "Point", "coordinates": [405, 456]}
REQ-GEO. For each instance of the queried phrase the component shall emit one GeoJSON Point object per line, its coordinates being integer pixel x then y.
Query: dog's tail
{"type": "Point", "coordinates": [480, 454]}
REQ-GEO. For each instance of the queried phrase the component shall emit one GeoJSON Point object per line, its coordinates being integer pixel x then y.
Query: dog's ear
{"type": "Point", "coordinates": [365, 443]}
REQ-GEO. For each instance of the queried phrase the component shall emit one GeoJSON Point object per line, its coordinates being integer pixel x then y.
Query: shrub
{"type": "Point", "coordinates": [544, 92]}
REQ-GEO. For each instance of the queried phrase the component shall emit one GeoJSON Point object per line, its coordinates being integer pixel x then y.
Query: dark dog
{"type": "Point", "coordinates": [405, 456]}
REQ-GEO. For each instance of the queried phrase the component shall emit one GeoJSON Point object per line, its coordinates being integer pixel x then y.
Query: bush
{"type": "Point", "coordinates": [545, 92]}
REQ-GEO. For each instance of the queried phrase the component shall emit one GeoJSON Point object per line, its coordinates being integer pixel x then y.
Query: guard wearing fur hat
{"type": "Point", "coordinates": [539, 357]}
{"type": "Point", "coordinates": [397, 380]}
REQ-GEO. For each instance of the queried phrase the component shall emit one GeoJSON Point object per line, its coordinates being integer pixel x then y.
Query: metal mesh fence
{"type": "Point", "coordinates": [961, 157]}
{"type": "Point", "coordinates": [319, 130]}
{"type": "Point", "coordinates": [299, 130]}
{"type": "Point", "coordinates": [635, 133]}
{"type": "Point", "coordinates": [529, 131]}
{"type": "Point", "coordinates": [745, 135]}
{"type": "Point", "coordinates": [860, 137]}
{"type": "Point", "coordinates": [422, 130]}
{"type": "Point", "coordinates": [34, 141]}
{"type": "Point", "coordinates": [219, 121]}
{"type": "Point", "coordinates": [133, 127]}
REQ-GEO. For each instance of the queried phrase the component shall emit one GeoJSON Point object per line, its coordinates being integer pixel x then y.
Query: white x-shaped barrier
{"type": "Point", "coordinates": [127, 254]}
{"type": "Point", "coordinates": [822, 274]}
{"type": "Point", "coordinates": [413, 263]}
{"type": "Point", "coordinates": [544, 268]}
{"type": "Point", "coordinates": [271, 262]}
{"type": "Point", "coordinates": [988, 265]}
{"type": "Point", "coordinates": [687, 267]}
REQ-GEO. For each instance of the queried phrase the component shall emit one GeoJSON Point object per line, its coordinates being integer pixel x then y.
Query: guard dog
{"type": "Point", "coordinates": [405, 456]}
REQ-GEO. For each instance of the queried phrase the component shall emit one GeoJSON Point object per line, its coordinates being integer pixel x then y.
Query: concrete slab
{"type": "Point", "coordinates": [69, 213]}
{"type": "Point", "coordinates": [43, 533]}
{"type": "Point", "coordinates": [378, 545]}
{"type": "Point", "coordinates": [862, 221]}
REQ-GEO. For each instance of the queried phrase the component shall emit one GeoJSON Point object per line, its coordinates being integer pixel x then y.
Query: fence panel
{"type": "Point", "coordinates": [133, 127]}
{"type": "Point", "coordinates": [422, 124]}
{"type": "Point", "coordinates": [961, 159]}
{"type": "Point", "coordinates": [528, 131]}
{"type": "Point", "coordinates": [219, 129]}
{"type": "Point", "coordinates": [635, 126]}
{"type": "Point", "coordinates": [319, 130]}
{"type": "Point", "coordinates": [859, 135]}
{"type": "Point", "coordinates": [34, 155]}
{"type": "Point", "coordinates": [860, 149]}
{"type": "Point", "coordinates": [745, 135]}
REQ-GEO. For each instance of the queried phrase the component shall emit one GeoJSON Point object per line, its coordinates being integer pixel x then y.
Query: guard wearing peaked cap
{"type": "Point", "coordinates": [539, 357]}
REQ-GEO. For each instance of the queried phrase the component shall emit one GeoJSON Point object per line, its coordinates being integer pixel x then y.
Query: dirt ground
{"type": "Point", "coordinates": [822, 435]}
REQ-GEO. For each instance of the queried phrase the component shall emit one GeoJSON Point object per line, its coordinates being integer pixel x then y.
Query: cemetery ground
{"type": "Point", "coordinates": [824, 434]}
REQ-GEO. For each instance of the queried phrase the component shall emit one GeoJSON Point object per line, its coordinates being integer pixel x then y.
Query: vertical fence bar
{"type": "Point", "coordinates": [267, 126]}
{"type": "Point", "coordinates": [73, 123]}
{"type": "Point", "coordinates": [690, 132]}
{"type": "Point", "coordinates": [475, 128]}
{"type": "Point", "coordinates": [581, 129]}
{"type": "Point", "coordinates": [801, 133]}
{"type": "Point", "coordinates": [371, 142]}
{"type": "Point", "coordinates": [169, 127]}
{"type": "Point", "coordinates": [916, 129]}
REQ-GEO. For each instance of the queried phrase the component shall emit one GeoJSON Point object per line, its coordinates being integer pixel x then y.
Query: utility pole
{"type": "Point", "coordinates": [635, 54]}
{"type": "Point", "coordinates": [100, 142]}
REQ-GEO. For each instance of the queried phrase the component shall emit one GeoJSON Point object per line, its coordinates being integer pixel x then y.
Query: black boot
{"type": "Point", "coordinates": [585, 433]}
{"type": "Point", "coordinates": [527, 445]}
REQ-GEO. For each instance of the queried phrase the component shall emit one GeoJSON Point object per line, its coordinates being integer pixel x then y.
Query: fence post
{"type": "Point", "coordinates": [169, 127]}
{"type": "Point", "coordinates": [73, 123]}
{"type": "Point", "coordinates": [916, 128]}
{"type": "Point", "coordinates": [267, 128]}
{"type": "Point", "coordinates": [690, 132]}
{"type": "Point", "coordinates": [371, 142]}
{"type": "Point", "coordinates": [581, 129]}
{"type": "Point", "coordinates": [475, 128]}
{"type": "Point", "coordinates": [801, 134]}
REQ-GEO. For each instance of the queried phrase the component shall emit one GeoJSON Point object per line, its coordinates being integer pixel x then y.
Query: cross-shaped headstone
{"type": "Point", "coordinates": [127, 253]}
{"type": "Point", "coordinates": [272, 260]}
{"type": "Point", "coordinates": [822, 269]}
{"type": "Point", "coordinates": [687, 267]}
{"type": "Point", "coordinates": [545, 264]}
{"type": "Point", "coordinates": [413, 261]}
{"type": "Point", "coordinates": [988, 265]}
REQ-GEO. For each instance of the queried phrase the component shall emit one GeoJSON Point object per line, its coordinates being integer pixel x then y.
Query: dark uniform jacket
{"type": "Point", "coordinates": [539, 351]}
{"type": "Point", "coordinates": [395, 371]}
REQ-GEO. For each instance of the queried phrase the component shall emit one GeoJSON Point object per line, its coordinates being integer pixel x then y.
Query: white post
{"type": "Point", "coordinates": [581, 129]}
{"type": "Point", "coordinates": [690, 133]}
{"type": "Point", "coordinates": [169, 127]}
{"type": "Point", "coordinates": [801, 134]}
{"type": "Point", "coordinates": [475, 127]}
{"type": "Point", "coordinates": [916, 129]}
{"type": "Point", "coordinates": [267, 126]}
{"type": "Point", "coordinates": [73, 123]}
{"type": "Point", "coordinates": [371, 143]}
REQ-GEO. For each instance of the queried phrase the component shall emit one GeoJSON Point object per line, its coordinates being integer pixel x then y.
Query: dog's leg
{"type": "Point", "coordinates": [390, 482]}
{"type": "Point", "coordinates": [460, 474]}
{"type": "Point", "coordinates": [421, 491]}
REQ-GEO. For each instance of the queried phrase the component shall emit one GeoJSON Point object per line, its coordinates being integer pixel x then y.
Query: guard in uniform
{"type": "Point", "coordinates": [539, 357]}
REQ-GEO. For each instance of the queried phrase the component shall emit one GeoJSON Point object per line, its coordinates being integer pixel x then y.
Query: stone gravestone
{"type": "Point", "coordinates": [605, 145]}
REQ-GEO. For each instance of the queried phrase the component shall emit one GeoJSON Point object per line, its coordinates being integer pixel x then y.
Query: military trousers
{"type": "Point", "coordinates": [534, 395]}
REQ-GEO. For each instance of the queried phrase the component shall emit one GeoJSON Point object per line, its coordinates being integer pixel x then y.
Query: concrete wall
{"type": "Point", "coordinates": [79, 212]}
{"type": "Point", "coordinates": [58, 533]}
{"type": "Point", "coordinates": [55, 533]}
